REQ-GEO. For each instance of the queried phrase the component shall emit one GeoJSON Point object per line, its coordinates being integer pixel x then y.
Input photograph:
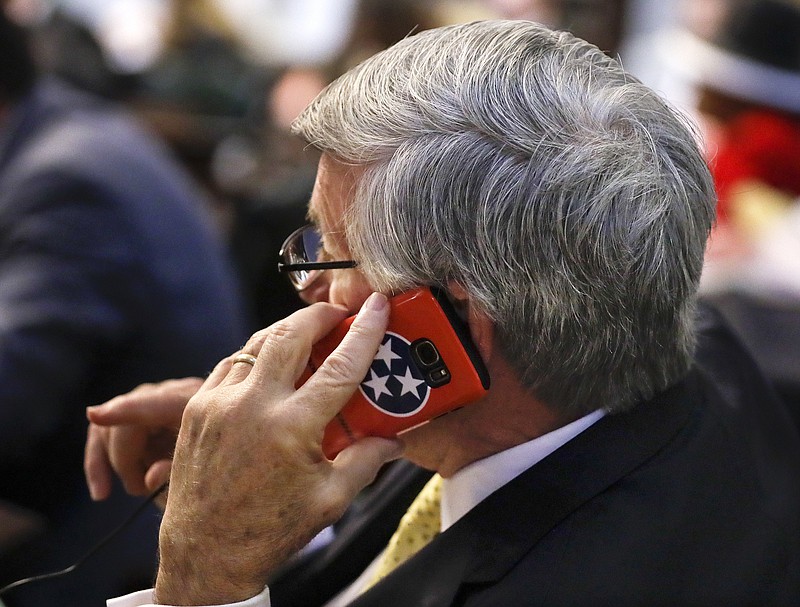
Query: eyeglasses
{"type": "Point", "coordinates": [301, 255]}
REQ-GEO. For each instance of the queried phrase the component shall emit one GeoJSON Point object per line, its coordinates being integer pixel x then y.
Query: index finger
{"type": "Point", "coordinates": [338, 377]}
{"type": "Point", "coordinates": [159, 404]}
{"type": "Point", "coordinates": [282, 350]}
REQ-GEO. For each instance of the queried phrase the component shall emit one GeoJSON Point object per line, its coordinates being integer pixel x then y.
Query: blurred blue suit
{"type": "Point", "coordinates": [111, 275]}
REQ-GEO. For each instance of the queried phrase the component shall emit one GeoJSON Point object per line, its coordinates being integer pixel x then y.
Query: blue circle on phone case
{"type": "Point", "coordinates": [394, 384]}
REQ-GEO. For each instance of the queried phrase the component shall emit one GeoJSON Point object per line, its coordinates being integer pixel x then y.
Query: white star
{"type": "Point", "coordinates": [410, 383]}
{"type": "Point", "coordinates": [386, 354]}
{"type": "Point", "coordinates": [377, 384]}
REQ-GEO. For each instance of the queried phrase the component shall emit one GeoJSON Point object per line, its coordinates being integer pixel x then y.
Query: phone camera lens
{"type": "Point", "coordinates": [430, 363]}
{"type": "Point", "coordinates": [426, 353]}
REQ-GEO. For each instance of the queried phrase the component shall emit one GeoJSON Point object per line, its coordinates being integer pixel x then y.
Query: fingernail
{"type": "Point", "coordinates": [376, 302]}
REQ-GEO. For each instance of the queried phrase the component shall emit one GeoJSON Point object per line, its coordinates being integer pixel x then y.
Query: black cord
{"type": "Point", "coordinates": [96, 548]}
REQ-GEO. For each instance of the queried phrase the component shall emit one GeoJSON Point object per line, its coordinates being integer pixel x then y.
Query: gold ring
{"type": "Point", "coordinates": [248, 359]}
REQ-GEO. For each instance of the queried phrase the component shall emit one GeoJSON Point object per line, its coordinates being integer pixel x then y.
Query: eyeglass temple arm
{"type": "Point", "coordinates": [315, 265]}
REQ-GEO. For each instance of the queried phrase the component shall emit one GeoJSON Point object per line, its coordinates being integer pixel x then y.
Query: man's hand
{"type": "Point", "coordinates": [134, 436]}
{"type": "Point", "coordinates": [250, 484]}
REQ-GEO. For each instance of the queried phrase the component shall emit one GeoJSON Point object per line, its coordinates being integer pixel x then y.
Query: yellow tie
{"type": "Point", "coordinates": [419, 525]}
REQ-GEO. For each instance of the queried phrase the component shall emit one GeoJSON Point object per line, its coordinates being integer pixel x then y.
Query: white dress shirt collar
{"type": "Point", "coordinates": [475, 482]}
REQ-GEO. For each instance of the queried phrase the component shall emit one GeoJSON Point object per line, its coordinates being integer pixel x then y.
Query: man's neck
{"type": "Point", "coordinates": [508, 416]}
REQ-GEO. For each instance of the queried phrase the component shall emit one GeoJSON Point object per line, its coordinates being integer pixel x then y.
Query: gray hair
{"type": "Point", "coordinates": [568, 199]}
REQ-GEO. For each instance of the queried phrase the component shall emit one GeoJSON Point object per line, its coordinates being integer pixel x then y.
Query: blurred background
{"type": "Point", "coordinates": [221, 80]}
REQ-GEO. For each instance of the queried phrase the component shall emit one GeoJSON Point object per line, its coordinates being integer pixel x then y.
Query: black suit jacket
{"type": "Point", "coordinates": [690, 499]}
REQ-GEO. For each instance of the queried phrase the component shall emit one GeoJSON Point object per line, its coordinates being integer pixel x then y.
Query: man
{"type": "Point", "coordinates": [564, 207]}
{"type": "Point", "coordinates": [111, 274]}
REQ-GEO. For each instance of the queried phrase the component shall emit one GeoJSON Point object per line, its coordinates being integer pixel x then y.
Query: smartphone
{"type": "Point", "coordinates": [426, 365]}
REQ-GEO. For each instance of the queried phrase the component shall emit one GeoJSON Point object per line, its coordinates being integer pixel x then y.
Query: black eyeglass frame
{"type": "Point", "coordinates": [315, 265]}
{"type": "Point", "coordinates": [307, 266]}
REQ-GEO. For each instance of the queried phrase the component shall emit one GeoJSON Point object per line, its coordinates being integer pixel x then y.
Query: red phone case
{"type": "Point", "coordinates": [406, 384]}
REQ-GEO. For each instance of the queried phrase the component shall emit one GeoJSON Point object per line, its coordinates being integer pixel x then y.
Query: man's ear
{"type": "Point", "coordinates": [481, 327]}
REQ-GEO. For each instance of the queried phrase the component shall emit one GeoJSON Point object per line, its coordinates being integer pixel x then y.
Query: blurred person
{"type": "Point", "coordinates": [378, 24]}
{"type": "Point", "coordinates": [762, 302]}
{"type": "Point", "coordinates": [272, 196]}
{"type": "Point", "coordinates": [748, 79]}
{"type": "Point", "coordinates": [746, 71]}
{"type": "Point", "coordinates": [201, 89]}
{"type": "Point", "coordinates": [597, 21]}
{"type": "Point", "coordinates": [655, 32]}
{"type": "Point", "coordinates": [268, 177]}
{"type": "Point", "coordinates": [111, 275]}
{"type": "Point", "coordinates": [628, 451]}
{"type": "Point", "coordinates": [737, 63]}
{"type": "Point", "coordinates": [68, 48]}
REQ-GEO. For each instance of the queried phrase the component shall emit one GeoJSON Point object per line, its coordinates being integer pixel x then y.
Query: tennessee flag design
{"type": "Point", "coordinates": [394, 383]}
